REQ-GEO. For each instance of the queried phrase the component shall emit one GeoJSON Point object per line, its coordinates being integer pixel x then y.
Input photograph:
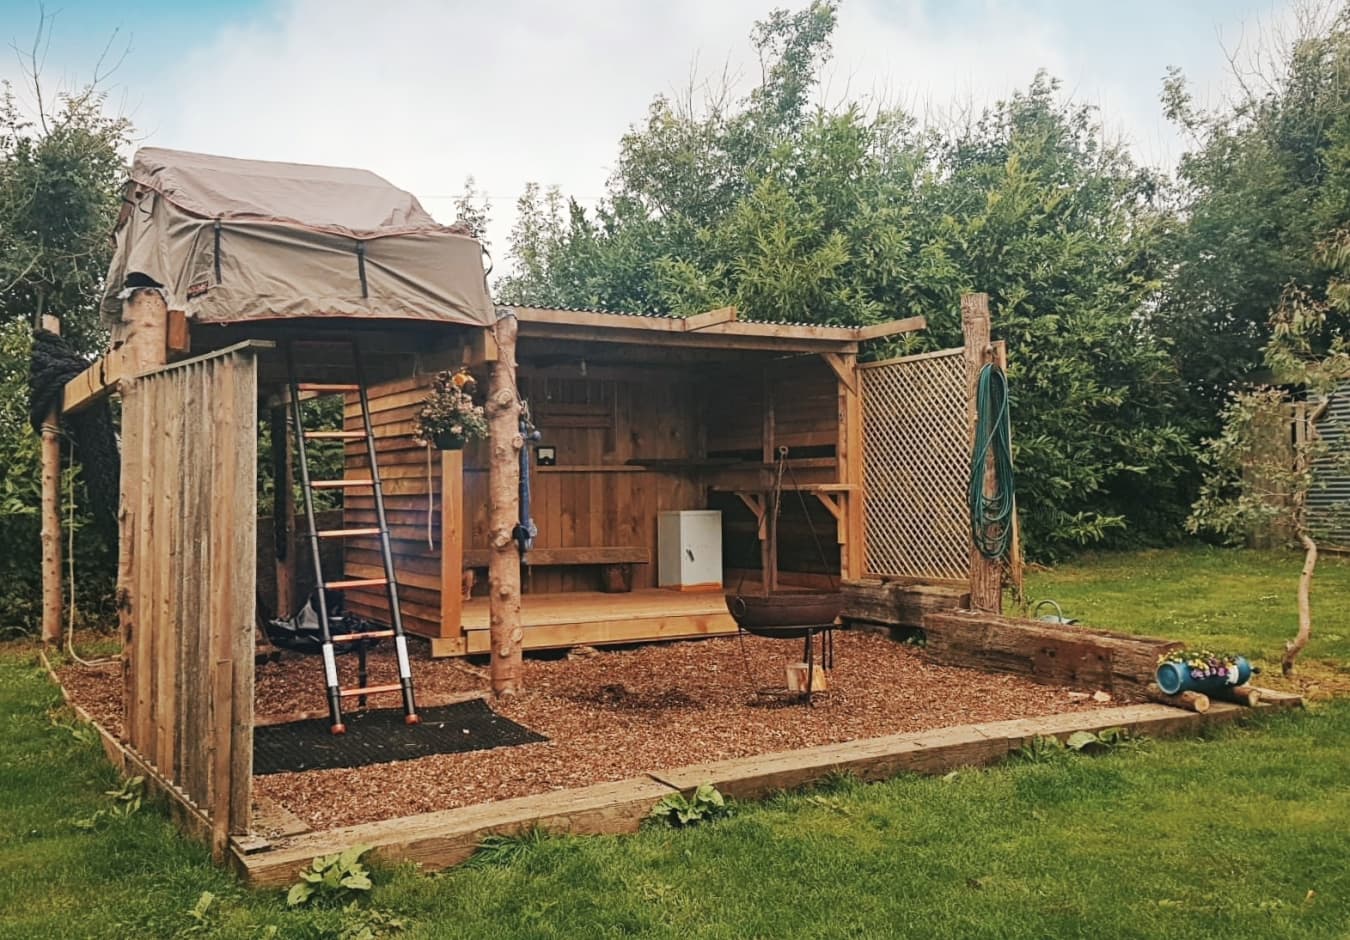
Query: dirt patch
{"type": "Point", "coordinates": [621, 713]}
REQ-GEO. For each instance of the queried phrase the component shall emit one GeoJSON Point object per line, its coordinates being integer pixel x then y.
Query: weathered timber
{"type": "Point", "coordinates": [441, 839]}
{"type": "Point", "coordinates": [1055, 654]}
{"type": "Point", "coordinates": [51, 515]}
{"type": "Point", "coordinates": [899, 603]}
{"type": "Point", "coordinates": [986, 574]}
{"type": "Point", "coordinates": [1193, 701]}
{"type": "Point", "coordinates": [505, 442]}
{"type": "Point", "coordinates": [1241, 695]}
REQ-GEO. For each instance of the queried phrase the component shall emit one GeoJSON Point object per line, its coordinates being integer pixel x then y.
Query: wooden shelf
{"type": "Point", "coordinates": [591, 468]}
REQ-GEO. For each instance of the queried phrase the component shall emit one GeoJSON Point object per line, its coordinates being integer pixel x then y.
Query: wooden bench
{"type": "Point", "coordinates": [614, 561]}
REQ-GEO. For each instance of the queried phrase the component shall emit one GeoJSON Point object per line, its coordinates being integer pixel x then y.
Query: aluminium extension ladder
{"type": "Point", "coordinates": [381, 530]}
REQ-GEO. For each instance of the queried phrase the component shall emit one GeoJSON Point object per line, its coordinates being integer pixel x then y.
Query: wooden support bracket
{"type": "Point", "coordinates": [844, 366]}
{"type": "Point", "coordinates": [756, 504]}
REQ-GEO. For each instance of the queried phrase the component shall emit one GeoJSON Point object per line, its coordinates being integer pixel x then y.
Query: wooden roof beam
{"type": "Point", "coordinates": [722, 322]}
{"type": "Point", "coordinates": [94, 383]}
{"type": "Point", "coordinates": [701, 321]}
{"type": "Point", "coordinates": [891, 328]}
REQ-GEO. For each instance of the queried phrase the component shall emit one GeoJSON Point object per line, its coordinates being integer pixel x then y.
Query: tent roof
{"type": "Point", "coordinates": [339, 200]}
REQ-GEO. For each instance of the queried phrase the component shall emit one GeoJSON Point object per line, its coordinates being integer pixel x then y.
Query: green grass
{"type": "Point", "coordinates": [1241, 833]}
{"type": "Point", "coordinates": [1239, 601]}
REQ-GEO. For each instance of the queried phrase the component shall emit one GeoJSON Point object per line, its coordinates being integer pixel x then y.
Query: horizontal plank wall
{"type": "Point", "coordinates": [598, 504]}
{"type": "Point", "coordinates": [187, 578]}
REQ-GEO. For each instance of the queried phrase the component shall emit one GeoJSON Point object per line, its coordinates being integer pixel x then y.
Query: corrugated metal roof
{"type": "Point", "coordinates": [671, 316]}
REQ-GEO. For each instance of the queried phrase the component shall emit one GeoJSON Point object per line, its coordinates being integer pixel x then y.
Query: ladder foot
{"type": "Point", "coordinates": [338, 728]}
{"type": "Point", "coordinates": [413, 719]}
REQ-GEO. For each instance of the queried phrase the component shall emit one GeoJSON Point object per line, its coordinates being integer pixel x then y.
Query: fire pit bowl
{"type": "Point", "coordinates": [785, 614]}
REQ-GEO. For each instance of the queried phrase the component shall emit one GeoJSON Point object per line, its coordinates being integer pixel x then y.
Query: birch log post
{"type": "Point", "coordinates": [51, 515]}
{"type": "Point", "coordinates": [503, 414]}
{"type": "Point", "coordinates": [986, 574]}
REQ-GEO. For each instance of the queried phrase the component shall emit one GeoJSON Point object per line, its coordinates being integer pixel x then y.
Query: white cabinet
{"type": "Point", "coordinates": [689, 549]}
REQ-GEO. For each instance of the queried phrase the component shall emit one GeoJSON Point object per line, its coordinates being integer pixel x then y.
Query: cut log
{"type": "Point", "coordinates": [1193, 701]}
{"type": "Point", "coordinates": [1055, 654]}
{"type": "Point", "coordinates": [899, 603]}
{"type": "Point", "coordinates": [1242, 695]}
{"type": "Point", "coordinates": [505, 442]}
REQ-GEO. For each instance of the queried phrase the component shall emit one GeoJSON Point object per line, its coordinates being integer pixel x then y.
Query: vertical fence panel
{"type": "Point", "coordinates": [189, 504]}
{"type": "Point", "coordinates": [916, 453]}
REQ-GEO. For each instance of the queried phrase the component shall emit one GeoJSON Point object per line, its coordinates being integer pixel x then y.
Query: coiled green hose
{"type": "Point", "coordinates": [991, 514]}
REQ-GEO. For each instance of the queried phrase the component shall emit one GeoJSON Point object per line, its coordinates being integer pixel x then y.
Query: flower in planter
{"type": "Point", "coordinates": [449, 416]}
{"type": "Point", "coordinates": [1203, 664]}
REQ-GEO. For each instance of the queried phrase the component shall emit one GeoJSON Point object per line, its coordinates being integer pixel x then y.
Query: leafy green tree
{"type": "Point", "coordinates": [855, 215]}
{"type": "Point", "coordinates": [60, 175]}
{"type": "Point", "coordinates": [1267, 182]}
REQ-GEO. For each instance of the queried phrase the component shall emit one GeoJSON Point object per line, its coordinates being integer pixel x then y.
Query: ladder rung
{"type": "Point", "coordinates": [354, 583]}
{"type": "Point", "coordinates": [371, 690]}
{"type": "Point", "coordinates": [333, 435]}
{"type": "Point", "coordinates": [338, 484]}
{"type": "Point", "coordinates": [368, 635]}
{"type": "Point", "coordinates": [344, 533]}
{"type": "Point", "coordinates": [327, 387]}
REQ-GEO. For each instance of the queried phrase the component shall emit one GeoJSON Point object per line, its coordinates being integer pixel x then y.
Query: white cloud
{"type": "Point", "coordinates": [426, 92]}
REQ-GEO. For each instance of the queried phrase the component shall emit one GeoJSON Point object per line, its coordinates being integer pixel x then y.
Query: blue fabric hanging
{"type": "Point", "coordinates": [525, 530]}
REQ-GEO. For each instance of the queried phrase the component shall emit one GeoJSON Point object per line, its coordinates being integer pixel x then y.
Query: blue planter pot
{"type": "Point", "coordinates": [1176, 677]}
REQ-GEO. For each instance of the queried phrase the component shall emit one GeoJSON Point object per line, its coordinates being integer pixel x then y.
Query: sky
{"type": "Point", "coordinates": [426, 93]}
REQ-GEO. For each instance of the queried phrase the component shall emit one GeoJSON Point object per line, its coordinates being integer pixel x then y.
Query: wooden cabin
{"type": "Point", "coordinates": [637, 416]}
{"type": "Point", "coordinates": [232, 278]}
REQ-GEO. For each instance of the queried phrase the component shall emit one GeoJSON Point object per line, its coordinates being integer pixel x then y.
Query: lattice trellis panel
{"type": "Point", "coordinates": [916, 461]}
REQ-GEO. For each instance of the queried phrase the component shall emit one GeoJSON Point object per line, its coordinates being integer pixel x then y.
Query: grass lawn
{"type": "Point", "coordinates": [1243, 601]}
{"type": "Point", "coordinates": [1241, 833]}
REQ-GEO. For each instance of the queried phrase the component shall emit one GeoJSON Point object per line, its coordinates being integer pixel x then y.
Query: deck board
{"type": "Point", "coordinates": [540, 610]}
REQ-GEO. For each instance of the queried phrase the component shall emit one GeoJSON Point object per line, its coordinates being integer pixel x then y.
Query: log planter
{"type": "Point", "coordinates": [1055, 654]}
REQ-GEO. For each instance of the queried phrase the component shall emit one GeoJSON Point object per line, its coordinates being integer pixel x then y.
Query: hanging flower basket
{"type": "Point", "coordinates": [1201, 671]}
{"type": "Point", "coordinates": [449, 417]}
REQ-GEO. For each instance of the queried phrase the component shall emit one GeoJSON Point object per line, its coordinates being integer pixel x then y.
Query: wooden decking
{"type": "Point", "coordinates": [593, 618]}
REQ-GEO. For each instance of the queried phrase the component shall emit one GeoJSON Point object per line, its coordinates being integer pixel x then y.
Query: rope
{"type": "Point", "coordinates": [991, 514]}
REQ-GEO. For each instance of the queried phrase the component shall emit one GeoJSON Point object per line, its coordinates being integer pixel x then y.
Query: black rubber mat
{"type": "Point", "coordinates": [380, 736]}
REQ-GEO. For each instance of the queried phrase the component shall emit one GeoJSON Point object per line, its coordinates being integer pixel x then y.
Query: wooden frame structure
{"type": "Point", "coordinates": [645, 414]}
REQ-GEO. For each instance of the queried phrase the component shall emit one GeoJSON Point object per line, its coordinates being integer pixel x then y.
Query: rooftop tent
{"type": "Point", "coordinates": [232, 240]}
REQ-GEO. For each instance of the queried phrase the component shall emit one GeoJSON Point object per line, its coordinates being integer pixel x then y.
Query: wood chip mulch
{"type": "Point", "coordinates": [615, 714]}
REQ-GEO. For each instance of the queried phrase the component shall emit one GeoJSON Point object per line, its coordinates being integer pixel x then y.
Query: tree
{"type": "Point", "coordinates": [60, 184]}
{"type": "Point", "coordinates": [60, 175]}
{"type": "Point", "coordinates": [855, 214]}
{"type": "Point", "coordinates": [1257, 480]}
{"type": "Point", "coordinates": [1267, 182]}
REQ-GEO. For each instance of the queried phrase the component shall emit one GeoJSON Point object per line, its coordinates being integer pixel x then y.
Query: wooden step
{"type": "Point", "coordinates": [345, 533]}
{"type": "Point", "coordinates": [327, 387]}
{"type": "Point", "coordinates": [338, 484]}
{"type": "Point", "coordinates": [354, 583]}
{"type": "Point", "coordinates": [371, 690]}
{"type": "Point", "coordinates": [334, 435]}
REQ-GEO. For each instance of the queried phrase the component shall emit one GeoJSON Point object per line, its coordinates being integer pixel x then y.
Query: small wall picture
{"type": "Point", "coordinates": [546, 456]}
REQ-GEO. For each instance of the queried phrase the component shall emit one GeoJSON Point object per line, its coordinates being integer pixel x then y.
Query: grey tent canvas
{"type": "Point", "coordinates": [232, 240]}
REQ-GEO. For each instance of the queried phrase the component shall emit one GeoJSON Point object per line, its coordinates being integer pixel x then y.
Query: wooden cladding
{"type": "Point", "coordinates": [187, 578]}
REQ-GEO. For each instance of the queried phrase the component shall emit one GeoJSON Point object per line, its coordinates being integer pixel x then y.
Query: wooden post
{"type": "Point", "coordinates": [142, 336]}
{"type": "Point", "coordinates": [51, 515]}
{"type": "Point", "coordinates": [986, 574]}
{"type": "Point", "coordinates": [283, 512]}
{"type": "Point", "coordinates": [452, 543]}
{"type": "Point", "coordinates": [1015, 573]}
{"type": "Point", "coordinates": [503, 414]}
